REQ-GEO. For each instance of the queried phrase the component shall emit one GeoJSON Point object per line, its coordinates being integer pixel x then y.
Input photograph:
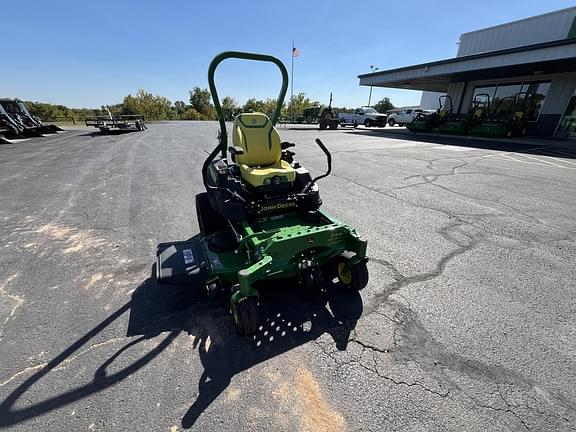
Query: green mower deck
{"type": "Point", "coordinates": [491, 129]}
{"type": "Point", "coordinates": [276, 248]}
{"type": "Point", "coordinates": [453, 127]}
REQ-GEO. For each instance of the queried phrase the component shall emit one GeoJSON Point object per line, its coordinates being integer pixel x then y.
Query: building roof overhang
{"type": "Point", "coordinates": [538, 59]}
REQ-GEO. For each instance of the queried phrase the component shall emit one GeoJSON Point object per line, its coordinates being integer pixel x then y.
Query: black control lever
{"type": "Point", "coordinates": [327, 173]}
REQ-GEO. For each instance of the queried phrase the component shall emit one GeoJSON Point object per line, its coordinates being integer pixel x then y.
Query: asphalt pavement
{"type": "Point", "coordinates": [467, 323]}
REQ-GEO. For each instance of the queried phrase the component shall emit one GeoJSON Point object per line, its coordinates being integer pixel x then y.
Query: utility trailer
{"type": "Point", "coordinates": [129, 122]}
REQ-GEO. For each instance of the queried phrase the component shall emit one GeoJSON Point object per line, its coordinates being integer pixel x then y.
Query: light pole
{"type": "Point", "coordinates": [373, 69]}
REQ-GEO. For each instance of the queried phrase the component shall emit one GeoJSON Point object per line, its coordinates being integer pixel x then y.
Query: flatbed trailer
{"type": "Point", "coordinates": [122, 122]}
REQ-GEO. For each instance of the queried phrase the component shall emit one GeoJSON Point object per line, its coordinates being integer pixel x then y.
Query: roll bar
{"type": "Point", "coordinates": [223, 138]}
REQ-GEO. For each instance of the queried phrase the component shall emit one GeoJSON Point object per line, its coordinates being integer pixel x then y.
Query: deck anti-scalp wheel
{"type": "Point", "coordinates": [245, 314]}
{"type": "Point", "coordinates": [354, 278]}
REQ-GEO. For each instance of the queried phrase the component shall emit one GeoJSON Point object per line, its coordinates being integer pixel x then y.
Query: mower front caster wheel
{"type": "Point", "coordinates": [245, 314]}
{"type": "Point", "coordinates": [354, 278]}
{"type": "Point", "coordinates": [313, 281]}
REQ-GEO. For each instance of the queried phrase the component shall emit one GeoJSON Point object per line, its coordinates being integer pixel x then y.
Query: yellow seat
{"type": "Point", "coordinates": [260, 162]}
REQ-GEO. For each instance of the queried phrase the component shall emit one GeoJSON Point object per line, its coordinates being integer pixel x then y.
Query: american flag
{"type": "Point", "coordinates": [295, 52]}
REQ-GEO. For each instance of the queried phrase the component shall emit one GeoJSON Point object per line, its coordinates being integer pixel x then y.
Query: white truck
{"type": "Point", "coordinates": [366, 116]}
{"type": "Point", "coordinates": [404, 116]}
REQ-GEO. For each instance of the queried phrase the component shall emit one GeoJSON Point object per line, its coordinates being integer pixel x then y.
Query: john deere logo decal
{"type": "Point", "coordinates": [253, 121]}
{"type": "Point", "coordinates": [278, 206]}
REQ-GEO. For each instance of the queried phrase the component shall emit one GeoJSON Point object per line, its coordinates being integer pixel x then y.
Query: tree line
{"type": "Point", "coordinates": [199, 107]}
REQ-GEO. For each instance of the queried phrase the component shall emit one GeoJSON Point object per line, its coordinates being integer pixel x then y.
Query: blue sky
{"type": "Point", "coordinates": [90, 54]}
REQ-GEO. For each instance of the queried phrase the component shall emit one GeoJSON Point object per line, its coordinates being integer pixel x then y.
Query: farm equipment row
{"type": "Point", "coordinates": [16, 122]}
{"type": "Point", "coordinates": [507, 117]}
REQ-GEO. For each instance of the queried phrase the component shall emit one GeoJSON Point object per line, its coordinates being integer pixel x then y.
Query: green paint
{"type": "Point", "coordinates": [274, 250]}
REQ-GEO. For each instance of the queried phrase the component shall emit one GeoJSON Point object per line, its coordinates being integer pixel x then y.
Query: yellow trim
{"type": "Point", "coordinates": [261, 160]}
{"type": "Point", "coordinates": [262, 176]}
{"type": "Point", "coordinates": [345, 276]}
{"type": "Point", "coordinates": [258, 138]}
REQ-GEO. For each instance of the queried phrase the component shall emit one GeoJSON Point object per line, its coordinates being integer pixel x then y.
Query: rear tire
{"type": "Point", "coordinates": [209, 221]}
{"type": "Point", "coordinates": [245, 314]}
{"type": "Point", "coordinates": [391, 122]}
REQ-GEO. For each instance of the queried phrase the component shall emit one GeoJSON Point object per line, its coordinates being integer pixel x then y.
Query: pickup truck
{"type": "Point", "coordinates": [365, 115]}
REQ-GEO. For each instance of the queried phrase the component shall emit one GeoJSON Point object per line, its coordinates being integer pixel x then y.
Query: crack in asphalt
{"type": "Point", "coordinates": [401, 281]}
{"type": "Point", "coordinates": [432, 358]}
{"type": "Point", "coordinates": [376, 370]}
{"type": "Point", "coordinates": [507, 410]}
{"type": "Point", "coordinates": [430, 179]}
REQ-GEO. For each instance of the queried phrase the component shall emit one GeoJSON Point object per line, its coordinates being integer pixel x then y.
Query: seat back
{"type": "Point", "coordinates": [258, 138]}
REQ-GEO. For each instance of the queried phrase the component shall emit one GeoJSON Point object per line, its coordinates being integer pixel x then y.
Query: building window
{"type": "Point", "coordinates": [538, 91]}
{"type": "Point", "coordinates": [505, 98]}
{"type": "Point", "coordinates": [489, 90]}
{"type": "Point", "coordinates": [567, 125]}
{"type": "Point", "coordinates": [527, 96]}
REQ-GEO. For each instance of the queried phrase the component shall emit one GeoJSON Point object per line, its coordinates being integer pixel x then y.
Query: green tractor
{"type": "Point", "coordinates": [425, 122]}
{"type": "Point", "coordinates": [323, 115]}
{"type": "Point", "coordinates": [260, 219]}
{"type": "Point", "coordinates": [328, 119]}
{"type": "Point", "coordinates": [508, 118]}
{"type": "Point", "coordinates": [309, 115]}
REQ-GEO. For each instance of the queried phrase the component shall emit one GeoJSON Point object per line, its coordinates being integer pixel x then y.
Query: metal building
{"type": "Point", "coordinates": [534, 57]}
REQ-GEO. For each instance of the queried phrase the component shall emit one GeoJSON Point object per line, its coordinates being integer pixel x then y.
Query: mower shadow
{"type": "Point", "coordinates": [288, 319]}
{"type": "Point", "coordinates": [10, 415]}
{"type": "Point", "coordinates": [546, 148]}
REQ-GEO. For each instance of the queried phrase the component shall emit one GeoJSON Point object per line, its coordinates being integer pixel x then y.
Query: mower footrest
{"type": "Point", "coordinates": [182, 263]}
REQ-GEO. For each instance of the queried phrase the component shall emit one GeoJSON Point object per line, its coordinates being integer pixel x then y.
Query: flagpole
{"type": "Point", "coordinates": [292, 84]}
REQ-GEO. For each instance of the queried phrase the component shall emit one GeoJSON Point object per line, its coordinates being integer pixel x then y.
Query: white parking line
{"type": "Point", "coordinates": [561, 156]}
{"type": "Point", "coordinates": [539, 161]}
{"type": "Point", "coordinates": [544, 161]}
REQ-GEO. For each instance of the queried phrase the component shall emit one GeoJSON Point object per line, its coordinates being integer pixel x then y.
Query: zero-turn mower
{"type": "Point", "coordinates": [461, 123]}
{"type": "Point", "coordinates": [425, 122]}
{"type": "Point", "coordinates": [508, 118]}
{"type": "Point", "coordinates": [260, 218]}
